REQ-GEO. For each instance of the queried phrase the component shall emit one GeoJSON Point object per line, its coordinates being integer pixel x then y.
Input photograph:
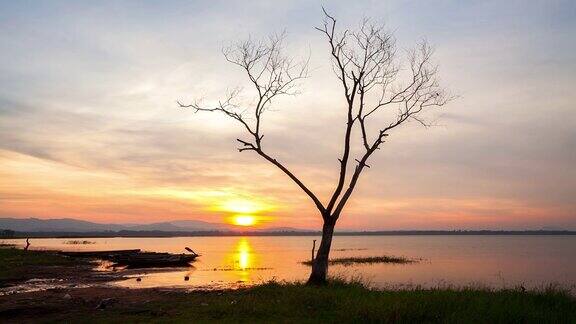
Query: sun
{"type": "Point", "coordinates": [245, 212]}
{"type": "Point", "coordinates": [244, 220]}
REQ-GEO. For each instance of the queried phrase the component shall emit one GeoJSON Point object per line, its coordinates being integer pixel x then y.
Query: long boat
{"type": "Point", "coordinates": [99, 254]}
{"type": "Point", "coordinates": [137, 259]}
{"type": "Point", "coordinates": [153, 259]}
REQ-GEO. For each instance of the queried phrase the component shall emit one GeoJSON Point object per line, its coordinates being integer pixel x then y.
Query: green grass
{"type": "Point", "coordinates": [79, 242]}
{"type": "Point", "coordinates": [373, 259]}
{"type": "Point", "coordinates": [341, 302]}
{"type": "Point", "coordinates": [16, 263]}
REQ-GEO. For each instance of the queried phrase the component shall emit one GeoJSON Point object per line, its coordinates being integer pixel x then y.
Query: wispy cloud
{"type": "Point", "coordinates": [89, 127]}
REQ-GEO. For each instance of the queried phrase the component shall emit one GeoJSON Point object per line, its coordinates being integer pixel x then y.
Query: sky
{"type": "Point", "coordinates": [90, 128]}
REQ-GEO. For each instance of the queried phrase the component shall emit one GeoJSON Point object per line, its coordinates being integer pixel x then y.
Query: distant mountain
{"type": "Point", "coordinates": [74, 225]}
{"type": "Point", "coordinates": [202, 226]}
{"type": "Point", "coordinates": [182, 226]}
{"type": "Point", "coordinates": [68, 227]}
{"type": "Point", "coordinates": [55, 225]}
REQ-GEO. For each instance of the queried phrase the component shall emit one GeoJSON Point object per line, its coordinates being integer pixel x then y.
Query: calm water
{"type": "Point", "coordinates": [458, 260]}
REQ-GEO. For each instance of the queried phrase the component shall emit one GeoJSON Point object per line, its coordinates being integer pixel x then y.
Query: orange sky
{"type": "Point", "coordinates": [89, 127]}
{"type": "Point", "coordinates": [48, 189]}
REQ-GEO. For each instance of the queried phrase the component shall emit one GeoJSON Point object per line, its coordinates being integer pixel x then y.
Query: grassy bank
{"type": "Point", "coordinates": [17, 264]}
{"type": "Point", "coordinates": [354, 303]}
{"type": "Point", "coordinates": [347, 261]}
{"type": "Point", "coordinates": [297, 303]}
{"type": "Point", "coordinates": [274, 302]}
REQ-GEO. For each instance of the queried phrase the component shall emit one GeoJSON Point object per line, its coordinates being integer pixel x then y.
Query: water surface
{"type": "Point", "coordinates": [489, 260]}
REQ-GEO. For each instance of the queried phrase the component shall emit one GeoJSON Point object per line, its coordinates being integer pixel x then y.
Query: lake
{"type": "Point", "coordinates": [489, 260]}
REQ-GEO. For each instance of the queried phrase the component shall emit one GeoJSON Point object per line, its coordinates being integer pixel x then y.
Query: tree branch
{"type": "Point", "coordinates": [364, 61]}
{"type": "Point", "coordinates": [271, 74]}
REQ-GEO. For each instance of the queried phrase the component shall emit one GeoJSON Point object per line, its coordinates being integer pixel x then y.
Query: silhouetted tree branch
{"type": "Point", "coordinates": [365, 61]}
{"type": "Point", "coordinates": [272, 74]}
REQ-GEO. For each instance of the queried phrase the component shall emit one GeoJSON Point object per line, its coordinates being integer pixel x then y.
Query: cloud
{"type": "Point", "coordinates": [91, 89]}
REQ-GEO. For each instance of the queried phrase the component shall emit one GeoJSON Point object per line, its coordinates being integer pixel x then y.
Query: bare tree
{"type": "Point", "coordinates": [364, 61]}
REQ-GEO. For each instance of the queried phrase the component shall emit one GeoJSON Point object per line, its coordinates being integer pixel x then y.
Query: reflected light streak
{"type": "Point", "coordinates": [244, 250]}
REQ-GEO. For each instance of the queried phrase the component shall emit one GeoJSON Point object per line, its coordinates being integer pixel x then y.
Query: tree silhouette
{"type": "Point", "coordinates": [365, 62]}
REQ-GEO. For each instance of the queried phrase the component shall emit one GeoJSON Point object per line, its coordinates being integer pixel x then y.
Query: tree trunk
{"type": "Point", "coordinates": [320, 263]}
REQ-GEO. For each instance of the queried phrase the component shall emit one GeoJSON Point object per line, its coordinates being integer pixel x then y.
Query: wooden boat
{"type": "Point", "coordinates": [138, 259]}
{"type": "Point", "coordinates": [153, 260]}
{"type": "Point", "coordinates": [100, 254]}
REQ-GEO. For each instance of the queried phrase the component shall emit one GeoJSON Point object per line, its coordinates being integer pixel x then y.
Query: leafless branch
{"type": "Point", "coordinates": [272, 74]}
{"type": "Point", "coordinates": [365, 62]}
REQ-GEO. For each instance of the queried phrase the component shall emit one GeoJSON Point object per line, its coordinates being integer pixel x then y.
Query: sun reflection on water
{"type": "Point", "coordinates": [243, 259]}
{"type": "Point", "coordinates": [243, 253]}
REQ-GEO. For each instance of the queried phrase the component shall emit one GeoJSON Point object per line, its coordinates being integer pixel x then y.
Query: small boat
{"type": "Point", "coordinates": [138, 259]}
{"type": "Point", "coordinates": [153, 260]}
{"type": "Point", "coordinates": [99, 254]}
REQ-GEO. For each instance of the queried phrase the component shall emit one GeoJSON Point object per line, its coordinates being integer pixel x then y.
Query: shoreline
{"type": "Point", "coordinates": [42, 266]}
{"type": "Point", "coordinates": [344, 301]}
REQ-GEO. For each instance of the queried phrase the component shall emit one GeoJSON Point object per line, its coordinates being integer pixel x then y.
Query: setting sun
{"type": "Point", "coordinates": [244, 220]}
